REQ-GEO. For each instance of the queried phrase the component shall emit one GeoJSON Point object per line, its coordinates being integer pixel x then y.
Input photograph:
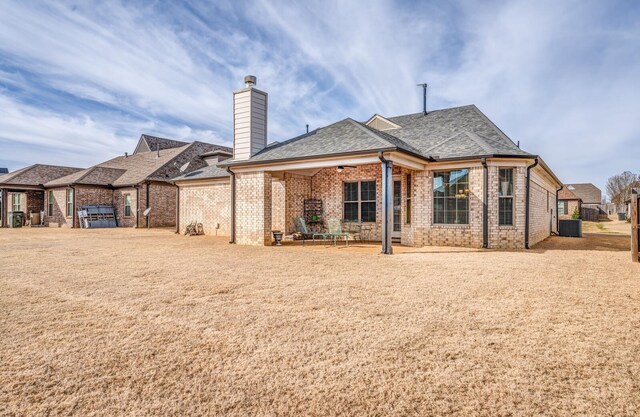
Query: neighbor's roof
{"type": "Point", "coordinates": [456, 133]}
{"type": "Point", "coordinates": [36, 175]}
{"type": "Point", "coordinates": [136, 168]}
{"type": "Point", "coordinates": [588, 193]}
{"type": "Point", "coordinates": [4, 170]}
{"type": "Point", "coordinates": [567, 194]}
{"type": "Point", "coordinates": [208, 172]}
{"type": "Point", "coordinates": [148, 143]}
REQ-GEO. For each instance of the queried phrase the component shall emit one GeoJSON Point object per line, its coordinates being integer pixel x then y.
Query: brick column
{"type": "Point", "coordinates": [253, 208]}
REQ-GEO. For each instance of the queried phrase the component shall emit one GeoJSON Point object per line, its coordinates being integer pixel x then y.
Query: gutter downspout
{"type": "Point", "coordinates": [485, 206]}
{"type": "Point", "coordinates": [147, 204]}
{"type": "Point", "coordinates": [73, 213]}
{"type": "Point", "coordinates": [137, 187]}
{"type": "Point", "coordinates": [177, 209]}
{"type": "Point", "coordinates": [387, 182]}
{"type": "Point", "coordinates": [557, 232]}
{"type": "Point", "coordinates": [526, 214]}
{"type": "Point", "coordinates": [232, 225]}
{"type": "Point", "coordinates": [3, 198]}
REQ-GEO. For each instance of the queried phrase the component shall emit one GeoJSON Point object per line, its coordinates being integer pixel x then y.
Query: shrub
{"type": "Point", "coordinates": [576, 214]}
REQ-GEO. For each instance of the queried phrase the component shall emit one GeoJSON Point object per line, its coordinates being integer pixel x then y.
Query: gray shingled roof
{"type": "Point", "coordinates": [588, 193]}
{"type": "Point", "coordinates": [148, 143]}
{"type": "Point", "coordinates": [139, 167]}
{"type": "Point", "coordinates": [345, 136]}
{"type": "Point", "coordinates": [444, 128]}
{"type": "Point", "coordinates": [459, 132]}
{"type": "Point", "coordinates": [36, 175]}
{"type": "Point", "coordinates": [207, 172]}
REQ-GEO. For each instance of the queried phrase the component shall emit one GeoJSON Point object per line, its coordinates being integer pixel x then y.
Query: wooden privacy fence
{"type": "Point", "coordinates": [635, 223]}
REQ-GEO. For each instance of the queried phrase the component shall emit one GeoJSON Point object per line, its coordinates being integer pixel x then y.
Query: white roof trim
{"type": "Point", "coordinates": [378, 118]}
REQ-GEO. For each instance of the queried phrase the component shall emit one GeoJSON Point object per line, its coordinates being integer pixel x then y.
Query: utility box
{"type": "Point", "coordinates": [16, 218]}
{"type": "Point", "coordinates": [571, 228]}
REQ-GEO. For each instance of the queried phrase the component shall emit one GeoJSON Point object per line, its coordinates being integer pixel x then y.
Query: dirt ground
{"type": "Point", "coordinates": [144, 322]}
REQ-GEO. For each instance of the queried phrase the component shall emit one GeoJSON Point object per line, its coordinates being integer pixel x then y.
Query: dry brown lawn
{"type": "Point", "coordinates": [126, 322]}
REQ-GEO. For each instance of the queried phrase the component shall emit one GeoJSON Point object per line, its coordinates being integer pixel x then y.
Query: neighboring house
{"type": "Point", "coordinates": [590, 195]}
{"type": "Point", "coordinates": [23, 190]}
{"type": "Point", "coordinates": [448, 177]}
{"type": "Point", "coordinates": [568, 202]}
{"type": "Point", "coordinates": [582, 196]}
{"type": "Point", "coordinates": [130, 183]}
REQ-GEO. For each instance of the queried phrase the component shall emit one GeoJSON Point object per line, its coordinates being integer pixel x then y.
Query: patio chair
{"type": "Point", "coordinates": [302, 229]}
{"type": "Point", "coordinates": [335, 230]}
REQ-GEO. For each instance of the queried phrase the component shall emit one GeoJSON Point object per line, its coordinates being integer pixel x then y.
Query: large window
{"type": "Point", "coordinates": [16, 202]}
{"type": "Point", "coordinates": [505, 196]}
{"type": "Point", "coordinates": [359, 201]}
{"type": "Point", "coordinates": [408, 200]}
{"type": "Point", "coordinates": [50, 204]}
{"type": "Point", "coordinates": [127, 205]}
{"type": "Point", "coordinates": [451, 197]}
{"type": "Point", "coordinates": [69, 202]}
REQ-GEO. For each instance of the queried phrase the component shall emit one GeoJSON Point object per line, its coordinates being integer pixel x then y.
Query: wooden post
{"type": "Point", "coordinates": [635, 242]}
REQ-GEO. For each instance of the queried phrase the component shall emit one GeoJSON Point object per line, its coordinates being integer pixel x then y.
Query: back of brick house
{"type": "Point", "coordinates": [447, 177]}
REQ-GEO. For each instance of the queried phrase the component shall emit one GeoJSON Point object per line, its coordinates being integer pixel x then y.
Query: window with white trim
{"type": "Point", "coordinates": [69, 202]}
{"type": "Point", "coordinates": [15, 202]}
{"type": "Point", "coordinates": [359, 201]}
{"type": "Point", "coordinates": [127, 205]}
{"type": "Point", "coordinates": [451, 197]}
{"type": "Point", "coordinates": [505, 196]}
{"type": "Point", "coordinates": [50, 204]}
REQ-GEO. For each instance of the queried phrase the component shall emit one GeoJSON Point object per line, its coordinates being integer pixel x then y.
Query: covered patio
{"type": "Point", "coordinates": [369, 194]}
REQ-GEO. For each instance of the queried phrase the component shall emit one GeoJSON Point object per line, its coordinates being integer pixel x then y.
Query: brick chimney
{"type": "Point", "coordinates": [249, 120]}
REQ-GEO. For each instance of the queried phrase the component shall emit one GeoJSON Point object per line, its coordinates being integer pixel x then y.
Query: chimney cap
{"type": "Point", "coordinates": [250, 80]}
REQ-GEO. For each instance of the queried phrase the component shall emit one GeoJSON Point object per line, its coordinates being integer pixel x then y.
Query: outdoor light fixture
{"type": "Point", "coordinates": [341, 168]}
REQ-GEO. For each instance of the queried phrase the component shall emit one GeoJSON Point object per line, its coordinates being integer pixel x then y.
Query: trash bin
{"type": "Point", "coordinates": [16, 218]}
{"type": "Point", "coordinates": [622, 216]}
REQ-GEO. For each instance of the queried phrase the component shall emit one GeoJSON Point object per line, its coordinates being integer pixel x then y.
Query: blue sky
{"type": "Point", "coordinates": [80, 82]}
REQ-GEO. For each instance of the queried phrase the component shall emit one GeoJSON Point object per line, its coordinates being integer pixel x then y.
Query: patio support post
{"type": "Point", "coordinates": [387, 204]}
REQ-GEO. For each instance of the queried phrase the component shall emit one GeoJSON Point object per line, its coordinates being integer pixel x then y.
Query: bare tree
{"type": "Point", "coordinates": [619, 187]}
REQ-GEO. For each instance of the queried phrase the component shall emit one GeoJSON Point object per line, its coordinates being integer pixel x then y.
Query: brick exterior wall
{"type": "Point", "coordinates": [426, 233]}
{"type": "Point", "coordinates": [162, 201]}
{"type": "Point", "coordinates": [207, 203]}
{"type": "Point", "coordinates": [278, 210]}
{"type": "Point", "coordinates": [118, 205]}
{"type": "Point", "coordinates": [162, 198]}
{"type": "Point", "coordinates": [58, 219]}
{"type": "Point", "coordinates": [542, 208]}
{"type": "Point", "coordinates": [253, 208]}
{"type": "Point", "coordinates": [297, 189]}
{"type": "Point", "coordinates": [507, 237]}
{"type": "Point", "coordinates": [571, 206]}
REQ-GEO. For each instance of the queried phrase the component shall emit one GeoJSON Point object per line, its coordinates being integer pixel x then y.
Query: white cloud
{"type": "Point", "coordinates": [561, 77]}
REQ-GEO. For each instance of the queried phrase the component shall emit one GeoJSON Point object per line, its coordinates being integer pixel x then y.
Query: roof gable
{"type": "Point", "coordinates": [148, 143]}
{"type": "Point", "coordinates": [380, 123]}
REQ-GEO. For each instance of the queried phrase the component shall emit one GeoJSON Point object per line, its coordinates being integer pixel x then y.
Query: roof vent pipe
{"type": "Point", "coordinates": [250, 81]}
{"type": "Point", "coordinates": [126, 154]}
{"type": "Point", "coordinates": [424, 98]}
